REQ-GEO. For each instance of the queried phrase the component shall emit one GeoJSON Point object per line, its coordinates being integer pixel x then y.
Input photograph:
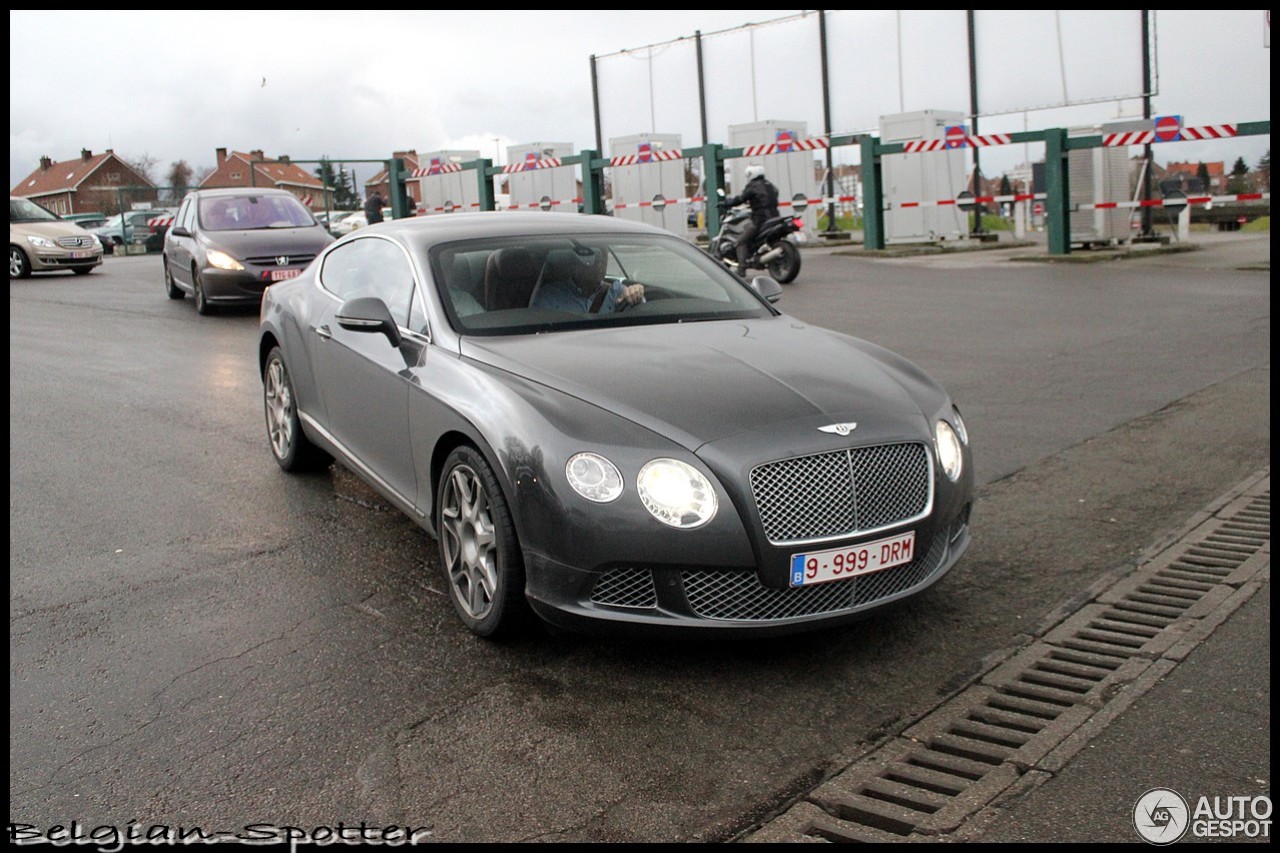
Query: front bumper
{"type": "Point", "coordinates": [665, 600]}
{"type": "Point", "coordinates": [46, 260]}
{"type": "Point", "coordinates": [237, 287]}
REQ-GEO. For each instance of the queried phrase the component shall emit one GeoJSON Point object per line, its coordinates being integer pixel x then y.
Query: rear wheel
{"type": "Point", "coordinates": [292, 450]}
{"type": "Point", "coordinates": [478, 547]}
{"type": "Point", "coordinates": [786, 266]}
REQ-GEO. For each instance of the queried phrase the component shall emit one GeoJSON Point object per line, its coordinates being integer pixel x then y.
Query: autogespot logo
{"type": "Point", "coordinates": [1161, 816]}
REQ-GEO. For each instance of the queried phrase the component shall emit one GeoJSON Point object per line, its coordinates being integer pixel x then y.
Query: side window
{"type": "Point", "coordinates": [370, 267]}
{"type": "Point", "coordinates": [186, 216]}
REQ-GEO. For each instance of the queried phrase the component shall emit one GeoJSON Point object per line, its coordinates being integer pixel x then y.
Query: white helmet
{"type": "Point", "coordinates": [754, 171]}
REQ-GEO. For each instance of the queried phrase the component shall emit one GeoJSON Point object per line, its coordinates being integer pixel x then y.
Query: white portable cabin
{"type": "Point", "coordinates": [539, 187]}
{"type": "Point", "coordinates": [446, 188]}
{"type": "Point", "coordinates": [1100, 175]}
{"type": "Point", "coordinates": [921, 179]}
{"type": "Point", "coordinates": [648, 184]}
{"type": "Point", "coordinates": [788, 166]}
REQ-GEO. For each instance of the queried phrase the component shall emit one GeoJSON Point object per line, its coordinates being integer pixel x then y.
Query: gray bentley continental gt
{"type": "Point", "coordinates": [599, 422]}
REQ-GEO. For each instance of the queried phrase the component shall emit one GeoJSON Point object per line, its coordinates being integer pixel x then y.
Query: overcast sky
{"type": "Point", "coordinates": [173, 85]}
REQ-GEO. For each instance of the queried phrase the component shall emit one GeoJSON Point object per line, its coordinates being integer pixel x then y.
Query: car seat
{"type": "Point", "coordinates": [509, 278]}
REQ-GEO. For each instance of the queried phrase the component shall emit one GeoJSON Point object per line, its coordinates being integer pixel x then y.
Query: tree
{"type": "Point", "coordinates": [1202, 175]}
{"type": "Point", "coordinates": [144, 166]}
{"type": "Point", "coordinates": [1264, 170]}
{"type": "Point", "coordinates": [179, 179]}
{"type": "Point", "coordinates": [1239, 180]}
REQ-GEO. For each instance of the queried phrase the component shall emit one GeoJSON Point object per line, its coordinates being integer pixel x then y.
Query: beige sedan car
{"type": "Point", "coordinates": [41, 242]}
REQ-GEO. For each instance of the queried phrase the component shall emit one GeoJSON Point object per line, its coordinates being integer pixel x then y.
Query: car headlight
{"type": "Point", "coordinates": [676, 494]}
{"type": "Point", "coordinates": [950, 454]}
{"type": "Point", "coordinates": [222, 260]}
{"type": "Point", "coordinates": [41, 242]}
{"type": "Point", "coordinates": [594, 477]}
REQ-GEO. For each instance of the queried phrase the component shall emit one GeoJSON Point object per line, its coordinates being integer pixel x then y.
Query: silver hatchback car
{"type": "Point", "coordinates": [226, 246]}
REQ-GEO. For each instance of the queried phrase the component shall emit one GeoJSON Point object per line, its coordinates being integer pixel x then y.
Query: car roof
{"type": "Point", "coordinates": [239, 191]}
{"type": "Point", "coordinates": [429, 230]}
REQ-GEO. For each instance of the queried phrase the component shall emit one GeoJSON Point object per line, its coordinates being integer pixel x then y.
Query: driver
{"type": "Point", "coordinates": [576, 283]}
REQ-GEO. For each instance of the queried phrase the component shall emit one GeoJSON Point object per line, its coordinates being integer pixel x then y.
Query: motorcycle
{"type": "Point", "coordinates": [774, 246]}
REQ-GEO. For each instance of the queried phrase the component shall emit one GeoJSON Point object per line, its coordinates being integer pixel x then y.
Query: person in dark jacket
{"type": "Point", "coordinates": [373, 208]}
{"type": "Point", "coordinates": [763, 198]}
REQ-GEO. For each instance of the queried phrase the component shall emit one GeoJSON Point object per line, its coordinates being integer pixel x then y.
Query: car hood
{"type": "Point", "coordinates": [702, 382]}
{"type": "Point", "coordinates": [269, 241]}
{"type": "Point", "coordinates": [52, 230]}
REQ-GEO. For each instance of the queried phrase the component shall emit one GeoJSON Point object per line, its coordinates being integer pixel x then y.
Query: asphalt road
{"type": "Point", "coordinates": [200, 640]}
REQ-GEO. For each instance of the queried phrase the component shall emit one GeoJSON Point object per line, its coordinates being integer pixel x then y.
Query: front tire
{"type": "Point", "coordinates": [786, 266]}
{"type": "Point", "coordinates": [170, 286]}
{"type": "Point", "coordinates": [292, 450]}
{"type": "Point", "coordinates": [479, 551]}
{"type": "Point", "coordinates": [202, 301]}
{"type": "Point", "coordinates": [19, 263]}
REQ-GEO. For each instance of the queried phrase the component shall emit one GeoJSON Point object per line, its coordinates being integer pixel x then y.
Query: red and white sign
{"type": "Point", "coordinates": [1037, 209]}
{"type": "Point", "coordinates": [645, 154]}
{"type": "Point", "coordinates": [1168, 128]}
{"type": "Point", "coordinates": [956, 137]}
{"type": "Point", "coordinates": [785, 140]}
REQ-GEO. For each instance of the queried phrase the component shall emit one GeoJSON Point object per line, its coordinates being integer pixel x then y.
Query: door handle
{"type": "Point", "coordinates": [324, 332]}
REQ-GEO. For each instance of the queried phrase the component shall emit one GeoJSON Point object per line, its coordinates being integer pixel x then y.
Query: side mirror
{"type": "Point", "coordinates": [179, 231]}
{"type": "Point", "coordinates": [368, 314]}
{"type": "Point", "coordinates": [767, 287]}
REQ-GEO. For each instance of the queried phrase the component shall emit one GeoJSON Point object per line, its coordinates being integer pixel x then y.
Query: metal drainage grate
{"type": "Point", "coordinates": [957, 759]}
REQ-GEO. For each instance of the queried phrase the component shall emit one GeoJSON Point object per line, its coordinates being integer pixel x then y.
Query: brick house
{"type": "Point", "coordinates": [93, 183]}
{"type": "Point", "coordinates": [237, 169]}
{"type": "Point", "coordinates": [381, 182]}
{"type": "Point", "coordinates": [1185, 178]}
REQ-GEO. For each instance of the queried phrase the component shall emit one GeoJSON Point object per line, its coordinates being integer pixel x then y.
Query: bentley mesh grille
{"type": "Point", "coordinates": [843, 492]}
{"type": "Point", "coordinates": [625, 587]}
{"type": "Point", "coordinates": [739, 596]}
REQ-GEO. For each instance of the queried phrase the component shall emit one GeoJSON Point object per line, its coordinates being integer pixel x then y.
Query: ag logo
{"type": "Point", "coordinates": [1161, 816]}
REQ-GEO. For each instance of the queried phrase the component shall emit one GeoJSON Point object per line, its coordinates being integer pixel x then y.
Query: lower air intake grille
{"type": "Point", "coordinates": [739, 596]}
{"type": "Point", "coordinates": [625, 588]}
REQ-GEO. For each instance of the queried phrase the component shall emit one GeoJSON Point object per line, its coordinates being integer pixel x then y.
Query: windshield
{"type": "Point", "coordinates": [253, 211]}
{"type": "Point", "coordinates": [512, 286]}
{"type": "Point", "coordinates": [23, 210]}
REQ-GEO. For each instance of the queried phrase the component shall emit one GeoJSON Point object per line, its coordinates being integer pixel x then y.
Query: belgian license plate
{"type": "Point", "coordinates": [839, 563]}
{"type": "Point", "coordinates": [81, 254]}
{"type": "Point", "coordinates": [281, 275]}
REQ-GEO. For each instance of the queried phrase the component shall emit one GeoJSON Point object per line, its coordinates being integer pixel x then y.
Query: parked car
{"type": "Point", "coordinates": [90, 222]}
{"type": "Point", "coordinates": [40, 241]}
{"type": "Point", "coordinates": [142, 227]}
{"type": "Point", "coordinates": [357, 219]}
{"type": "Point", "coordinates": [698, 462]}
{"type": "Point", "coordinates": [227, 246]}
{"type": "Point", "coordinates": [330, 219]}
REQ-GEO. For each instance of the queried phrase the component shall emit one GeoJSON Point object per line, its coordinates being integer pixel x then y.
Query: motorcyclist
{"type": "Point", "coordinates": [762, 195]}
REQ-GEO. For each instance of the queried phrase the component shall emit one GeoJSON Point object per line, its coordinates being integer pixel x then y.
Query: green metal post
{"type": "Point", "coordinates": [485, 182]}
{"type": "Point", "coordinates": [395, 180]}
{"type": "Point", "coordinates": [872, 195]}
{"type": "Point", "coordinates": [1056, 177]}
{"type": "Point", "coordinates": [713, 183]}
{"type": "Point", "coordinates": [592, 181]}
